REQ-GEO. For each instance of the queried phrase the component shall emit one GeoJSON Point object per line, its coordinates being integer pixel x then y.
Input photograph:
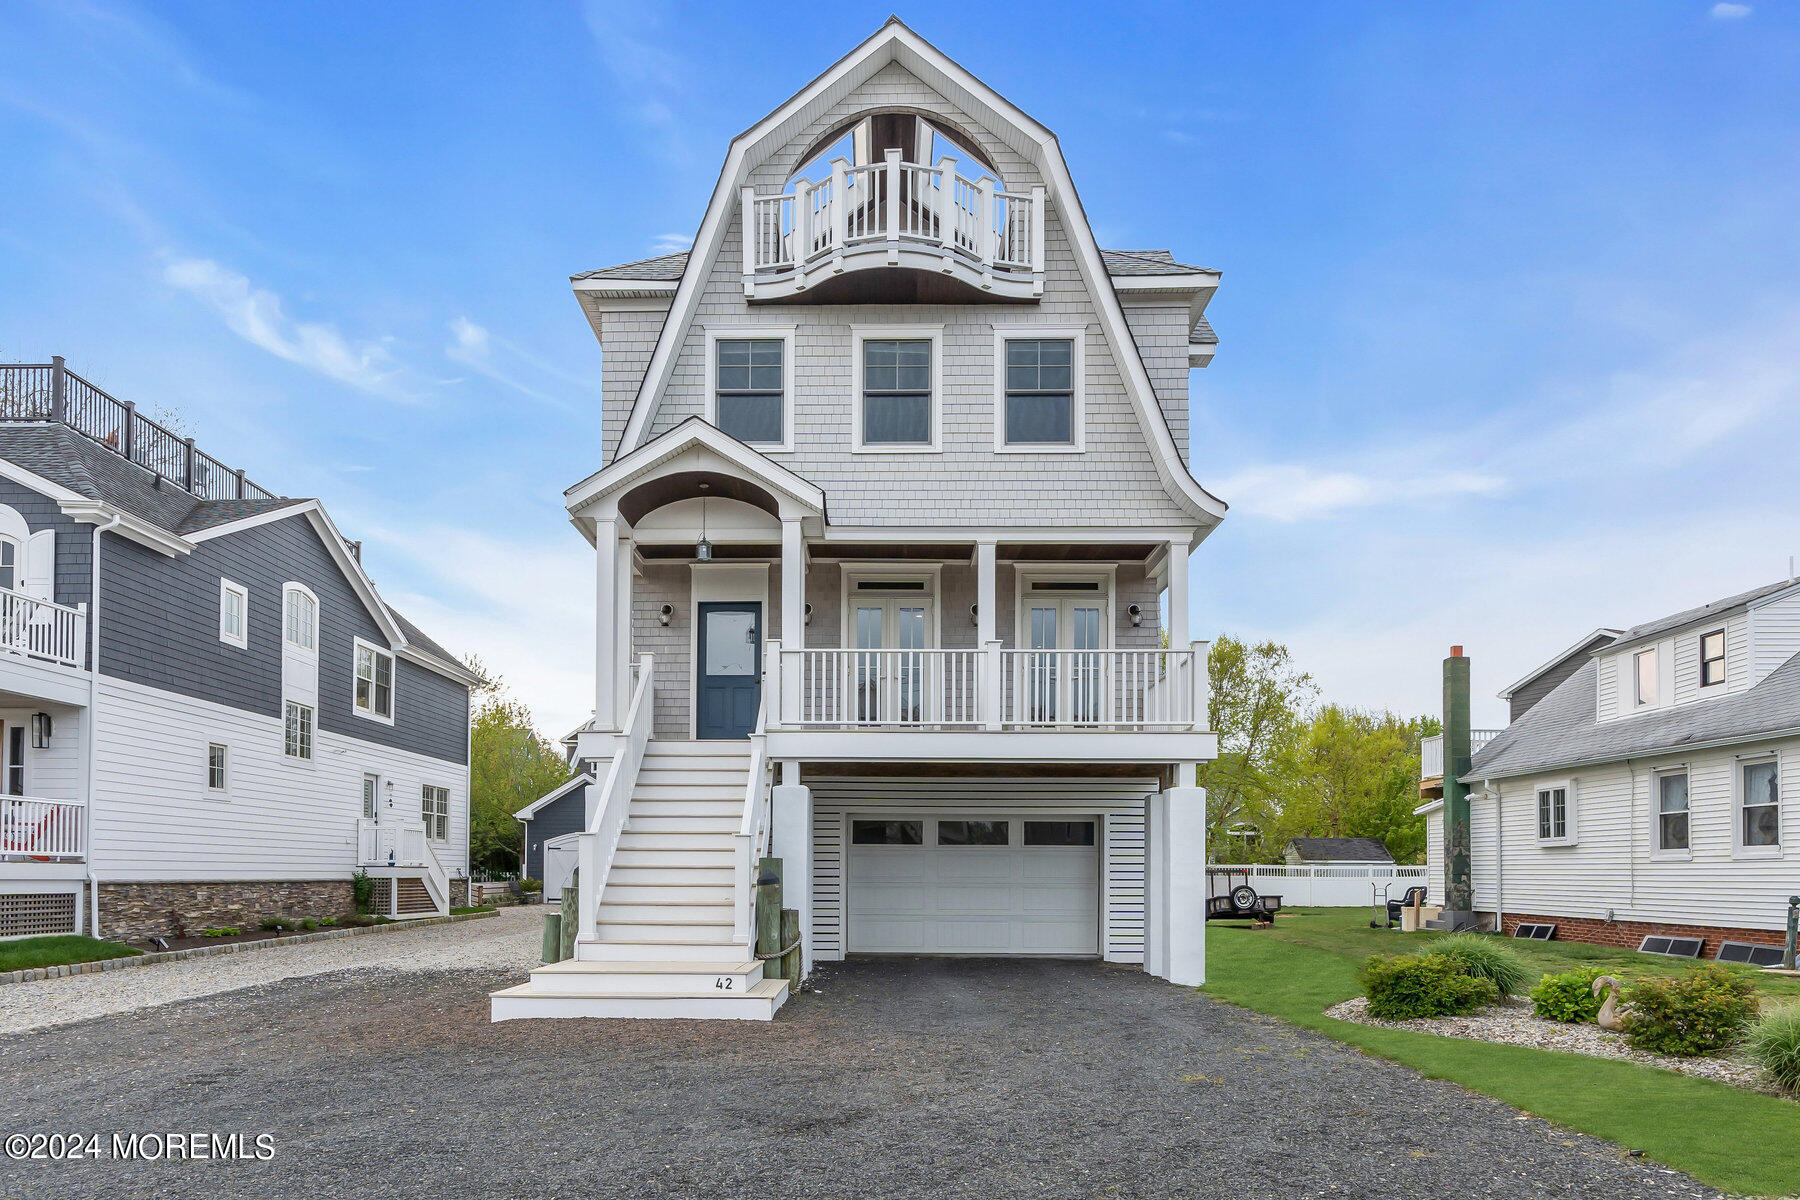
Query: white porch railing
{"type": "Point", "coordinates": [41, 829]}
{"type": "Point", "coordinates": [1431, 751]}
{"type": "Point", "coordinates": [753, 834]}
{"type": "Point", "coordinates": [894, 201]}
{"type": "Point", "coordinates": [596, 846]}
{"type": "Point", "coordinates": [1329, 887]}
{"type": "Point", "coordinates": [989, 688]}
{"type": "Point", "coordinates": [400, 842]}
{"type": "Point", "coordinates": [42, 630]}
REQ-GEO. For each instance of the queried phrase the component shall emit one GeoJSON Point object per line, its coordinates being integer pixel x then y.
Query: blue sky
{"type": "Point", "coordinates": [1510, 313]}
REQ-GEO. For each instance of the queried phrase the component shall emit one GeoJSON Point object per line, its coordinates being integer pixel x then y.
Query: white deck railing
{"type": "Point", "coordinates": [991, 688]}
{"type": "Point", "coordinates": [894, 201]}
{"type": "Point", "coordinates": [1431, 751]}
{"type": "Point", "coordinates": [42, 630]}
{"type": "Point", "coordinates": [41, 829]}
{"type": "Point", "coordinates": [402, 842]}
{"type": "Point", "coordinates": [600, 841]}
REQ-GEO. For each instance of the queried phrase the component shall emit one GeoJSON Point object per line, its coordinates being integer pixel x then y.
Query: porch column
{"type": "Point", "coordinates": [1175, 886]}
{"type": "Point", "coordinates": [622, 631]}
{"type": "Point", "coordinates": [606, 650]}
{"type": "Point", "coordinates": [991, 660]}
{"type": "Point", "coordinates": [1176, 566]}
{"type": "Point", "coordinates": [793, 620]}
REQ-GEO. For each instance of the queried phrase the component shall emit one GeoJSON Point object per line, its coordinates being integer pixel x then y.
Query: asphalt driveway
{"type": "Point", "coordinates": [897, 1077]}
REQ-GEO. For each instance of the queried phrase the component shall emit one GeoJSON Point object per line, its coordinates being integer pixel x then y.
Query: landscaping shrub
{"type": "Point", "coordinates": [1485, 956]}
{"type": "Point", "coordinates": [1422, 985]}
{"type": "Point", "coordinates": [362, 888]}
{"type": "Point", "coordinates": [328, 921]}
{"type": "Point", "coordinates": [362, 919]}
{"type": "Point", "coordinates": [221, 931]}
{"type": "Point", "coordinates": [1568, 997]}
{"type": "Point", "coordinates": [1774, 1044]}
{"type": "Point", "coordinates": [1701, 1012]}
{"type": "Point", "coordinates": [308, 923]}
{"type": "Point", "coordinates": [276, 924]}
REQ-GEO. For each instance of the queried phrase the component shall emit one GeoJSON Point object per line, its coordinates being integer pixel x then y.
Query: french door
{"type": "Point", "coordinates": [1061, 682]}
{"type": "Point", "coordinates": [892, 682]}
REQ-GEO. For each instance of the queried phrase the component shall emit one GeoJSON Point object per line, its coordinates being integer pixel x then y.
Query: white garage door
{"type": "Point", "coordinates": [974, 885]}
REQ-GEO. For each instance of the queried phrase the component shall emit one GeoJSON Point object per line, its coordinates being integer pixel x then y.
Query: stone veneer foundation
{"type": "Point", "coordinates": [136, 910]}
{"type": "Point", "coordinates": [1629, 934]}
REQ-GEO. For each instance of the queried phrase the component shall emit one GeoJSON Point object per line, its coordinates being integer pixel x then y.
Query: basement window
{"type": "Point", "coordinates": [1754, 953]}
{"type": "Point", "coordinates": [1534, 931]}
{"type": "Point", "coordinates": [1672, 947]}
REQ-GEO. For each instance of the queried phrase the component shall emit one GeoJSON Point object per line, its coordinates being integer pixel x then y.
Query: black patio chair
{"type": "Point", "coordinates": [1414, 895]}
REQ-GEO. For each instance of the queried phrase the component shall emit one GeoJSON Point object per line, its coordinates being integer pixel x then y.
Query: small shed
{"type": "Point", "coordinates": [1335, 851]}
{"type": "Point", "coordinates": [551, 818]}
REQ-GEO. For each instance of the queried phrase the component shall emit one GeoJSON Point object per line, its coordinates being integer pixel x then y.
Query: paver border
{"type": "Point", "coordinates": [64, 970]}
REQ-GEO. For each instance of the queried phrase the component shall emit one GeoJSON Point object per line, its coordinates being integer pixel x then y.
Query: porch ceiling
{"type": "Point", "coordinates": [1074, 551]}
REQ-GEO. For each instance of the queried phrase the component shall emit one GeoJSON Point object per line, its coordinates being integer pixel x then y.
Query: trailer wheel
{"type": "Point", "coordinates": [1243, 897]}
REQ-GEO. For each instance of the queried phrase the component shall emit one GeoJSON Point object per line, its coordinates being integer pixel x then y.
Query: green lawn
{"type": "Point", "coordinates": [1740, 1141]}
{"type": "Point", "coordinates": [57, 951]}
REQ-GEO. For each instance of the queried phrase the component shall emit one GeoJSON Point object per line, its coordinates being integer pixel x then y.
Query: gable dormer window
{"type": "Point", "coordinates": [1644, 677]}
{"type": "Point", "coordinates": [896, 407]}
{"type": "Point", "coordinates": [751, 372]}
{"type": "Point", "coordinates": [300, 618]}
{"type": "Point", "coordinates": [1039, 391]}
{"type": "Point", "coordinates": [1712, 658]}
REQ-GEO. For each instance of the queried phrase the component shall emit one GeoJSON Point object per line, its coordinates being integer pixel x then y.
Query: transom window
{"type": "Point", "coordinates": [215, 767]}
{"type": "Point", "coordinates": [301, 617]}
{"type": "Point", "coordinates": [1644, 672]}
{"type": "Point", "coordinates": [434, 807]}
{"type": "Point", "coordinates": [749, 388]}
{"type": "Point", "coordinates": [234, 611]}
{"type": "Point", "coordinates": [1760, 823]}
{"type": "Point", "coordinates": [1712, 658]}
{"type": "Point", "coordinates": [1039, 403]}
{"type": "Point", "coordinates": [1672, 810]}
{"type": "Point", "coordinates": [897, 397]}
{"type": "Point", "coordinates": [374, 681]}
{"type": "Point", "coordinates": [299, 731]}
{"type": "Point", "coordinates": [1553, 813]}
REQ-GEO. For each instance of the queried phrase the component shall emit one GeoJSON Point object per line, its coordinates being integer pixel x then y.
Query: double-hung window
{"type": "Point", "coordinates": [1712, 658]}
{"type": "Point", "coordinates": [1553, 813]}
{"type": "Point", "coordinates": [1672, 810]}
{"type": "Point", "coordinates": [1040, 406]}
{"type": "Point", "coordinates": [897, 404]}
{"type": "Point", "coordinates": [215, 767]}
{"type": "Point", "coordinates": [1644, 676]}
{"type": "Point", "coordinates": [374, 682]}
{"type": "Point", "coordinates": [300, 618]}
{"type": "Point", "coordinates": [750, 388]}
{"type": "Point", "coordinates": [1759, 802]}
{"type": "Point", "coordinates": [434, 807]}
{"type": "Point", "coordinates": [234, 613]}
{"type": "Point", "coordinates": [298, 740]}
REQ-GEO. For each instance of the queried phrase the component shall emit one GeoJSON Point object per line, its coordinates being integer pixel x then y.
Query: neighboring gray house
{"type": "Point", "coordinates": [1648, 794]}
{"type": "Point", "coordinates": [1332, 851]}
{"type": "Point", "coordinates": [892, 517]}
{"type": "Point", "coordinates": [549, 826]}
{"type": "Point", "coordinates": [235, 724]}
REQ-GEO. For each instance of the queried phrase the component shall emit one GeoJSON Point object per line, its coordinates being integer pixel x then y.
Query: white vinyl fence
{"type": "Point", "coordinates": [1328, 887]}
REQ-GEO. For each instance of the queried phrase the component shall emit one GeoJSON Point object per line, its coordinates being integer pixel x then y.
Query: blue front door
{"type": "Point", "coordinates": [728, 681]}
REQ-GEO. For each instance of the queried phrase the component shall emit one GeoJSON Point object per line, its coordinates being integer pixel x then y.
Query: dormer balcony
{"type": "Point", "coordinates": [894, 232]}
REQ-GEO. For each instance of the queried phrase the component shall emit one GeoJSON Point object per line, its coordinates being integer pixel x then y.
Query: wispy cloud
{"type": "Point", "coordinates": [1295, 492]}
{"type": "Point", "coordinates": [653, 79]}
{"type": "Point", "coordinates": [258, 316]}
{"type": "Point", "coordinates": [473, 346]}
{"type": "Point", "coordinates": [669, 243]}
{"type": "Point", "coordinates": [1724, 11]}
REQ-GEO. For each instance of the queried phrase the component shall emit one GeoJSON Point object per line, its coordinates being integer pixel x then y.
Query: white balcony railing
{"type": "Point", "coordinates": [1431, 751]}
{"type": "Point", "coordinates": [401, 842]}
{"type": "Point", "coordinates": [967, 222]}
{"type": "Point", "coordinates": [41, 829]}
{"type": "Point", "coordinates": [991, 688]}
{"type": "Point", "coordinates": [42, 630]}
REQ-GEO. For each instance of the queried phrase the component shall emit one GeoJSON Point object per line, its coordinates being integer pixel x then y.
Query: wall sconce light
{"type": "Point", "coordinates": [664, 613]}
{"type": "Point", "coordinates": [806, 618]}
{"type": "Point", "coordinates": [974, 614]}
{"type": "Point", "coordinates": [1136, 613]}
{"type": "Point", "coordinates": [390, 793]}
{"type": "Point", "coordinates": [41, 730]}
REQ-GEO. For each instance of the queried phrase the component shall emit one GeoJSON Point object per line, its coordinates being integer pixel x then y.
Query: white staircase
{"type": "Point", "coordinates": [664, 944]}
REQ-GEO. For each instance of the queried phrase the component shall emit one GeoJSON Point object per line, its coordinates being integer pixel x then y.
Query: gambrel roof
{"type": "Point", "coordinates": [896, 43]}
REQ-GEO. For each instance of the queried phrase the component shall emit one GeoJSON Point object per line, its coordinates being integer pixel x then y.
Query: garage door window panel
{"type": "Point", "coordinates": [887, 833]}
{"type": "Point", "coordinates": [974, 833]}
{"type": "Point", "coordinates": [1059, 833]}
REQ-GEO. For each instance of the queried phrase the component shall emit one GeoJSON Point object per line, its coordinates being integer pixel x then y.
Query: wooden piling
{"type": "Point", "coordinates": [768, 907]}
{"type": "Point", "coordinates": [571, 914]}
{"type": "Point", "coordinates": [790, 936]}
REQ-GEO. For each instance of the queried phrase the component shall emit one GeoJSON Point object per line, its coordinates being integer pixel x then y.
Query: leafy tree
{"type": "Point", "coordinates": [511, 765]}
{"type": "Point", "coordinates": [1258, 698]}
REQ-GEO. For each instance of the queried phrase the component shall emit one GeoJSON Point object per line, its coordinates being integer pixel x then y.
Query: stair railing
{"type": "Point", "coordinates": [597, 845]}
{"type": "Point", "coordinates": [752, 834]}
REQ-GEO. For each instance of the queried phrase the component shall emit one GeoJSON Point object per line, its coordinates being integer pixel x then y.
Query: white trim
{"type": "Point", "coordinates": [1738, 763]}
{"type": "Point", "coordinates": [449, 804]}
{"type": "Point", "coordinates": [311, 743]}
{"type": "Point", "coordinates": [1429, 807]}
{"type": "Point", "coordinates": [369, 714]}
{"type": "Point", "coordinates": [785, 334]}
{"type": "Point", "coordinates": [1157, 536]}
{"type": "Point", "coordinates": [1724, 660]}
{"type": "Point", "coordinates": [224, 528]}
{"type": "Point", "coordinates": [1609, 634]}
{"type": "Point", "coordinates": [1637, 678]}
{"type": "Point", "coordinates": [1077, 336]}
{"type": "Point", "coordinates": [294, 585]}
{"type": "Point", "coordinates": [136, 529]}
{"type": "Point", "coordinates": [722, 583]}
{"type": "Point", "coordinates": [933, 334]}
{"type": "Point", "coordinates": [1194, 281]}
{"type": "Point", "coordinates": [1568, 835]}
{"type": "Point", "coordinates": [642, 462]}
{"type": "Point", "coordinates": [228, 588]}
{"type": "Point", "coordinates": [530, 810]}
{"type": "Point", "coordinates": [1107, 575]}
{"type": "Point", "coordinates": [620, 284]}
{"type": "Point", "coordinates": [223, 791]}
{"type": "Point", "coordinates": [851, 573]}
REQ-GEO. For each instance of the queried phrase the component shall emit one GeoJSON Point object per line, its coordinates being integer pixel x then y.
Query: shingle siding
{"type": "Point", "coordinates": [1160, 330]}
{"type": "Point", "coordinates": [567, 814]}
{"type": "Point", "coordinates": [74, 541]}
{"type": "Point", "coordinates": [159, 626]}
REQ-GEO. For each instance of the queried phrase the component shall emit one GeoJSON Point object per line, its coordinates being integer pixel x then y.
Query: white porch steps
{"type": "Point", "coordinates": [664, 936]}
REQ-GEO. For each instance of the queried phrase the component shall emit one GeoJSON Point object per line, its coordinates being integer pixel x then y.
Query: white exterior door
{"type": "Point", "coordinates": [559, 865]}
{"type": "Point", "coordinates": [890, 684]}
{"type": "Point", "coordinates": [1062, 682]}
{"type": "Point", "coordinates": [981, 884]}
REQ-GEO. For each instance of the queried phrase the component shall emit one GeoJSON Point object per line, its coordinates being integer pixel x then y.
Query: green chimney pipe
{"type": "Point", "coordinates": [1459, 883]}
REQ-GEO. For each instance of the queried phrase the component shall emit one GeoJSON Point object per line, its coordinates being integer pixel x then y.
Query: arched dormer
{"type": "Point", "coordinates": [894, 207]}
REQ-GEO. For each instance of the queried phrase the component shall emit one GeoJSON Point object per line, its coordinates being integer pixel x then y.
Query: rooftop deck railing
{"type": "Point", "coordinates": [51, 392]}
{"type": "Point", "coordinates": [1431, 751]}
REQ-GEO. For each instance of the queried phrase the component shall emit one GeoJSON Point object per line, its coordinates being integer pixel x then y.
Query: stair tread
{"type": "Point", "coordinates": [763, 989]}
{"type": "Point", "coordinates": [728, 947]}
{"type": "Point", "coordinates": [573, 966]}
{"type": "Point", "coordinates": [648, 921]}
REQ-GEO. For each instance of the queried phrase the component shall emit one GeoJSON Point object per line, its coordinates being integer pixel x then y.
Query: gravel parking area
{"type": "Point", "coordinates": [508, 940]}
{"type": "Point", "coordinates": [897, 1078]}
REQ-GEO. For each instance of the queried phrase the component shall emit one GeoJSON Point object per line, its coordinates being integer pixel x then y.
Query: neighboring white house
{"type": "Point", "coordinates": [208, 715]}
{"type": "Point", "coordinates": [1649, 793]}
{"type": "Point", "coordinates": [893, 492]}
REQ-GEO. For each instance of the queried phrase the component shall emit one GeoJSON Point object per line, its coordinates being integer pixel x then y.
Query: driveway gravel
{"type": "Point", "coordinates": [896, 1077]}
